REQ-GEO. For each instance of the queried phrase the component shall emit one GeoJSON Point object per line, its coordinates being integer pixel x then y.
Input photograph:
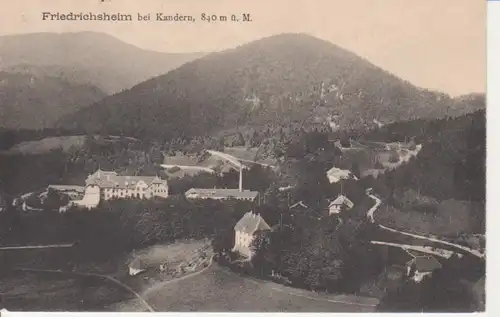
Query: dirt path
{"type": "Point", "coordinates": [372, 210]}
{"type": "Point", "coordinates": [458, 246]}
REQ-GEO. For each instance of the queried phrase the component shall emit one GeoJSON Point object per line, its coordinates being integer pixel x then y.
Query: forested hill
{"type": "Point", "coordinates": [37, 101]}
{"type": "Point", "coordinates": [88, 58]}
{"type": "Point", "coordinates": [276, 80]}
{"type": "Point", "coordinates": [452, 162]}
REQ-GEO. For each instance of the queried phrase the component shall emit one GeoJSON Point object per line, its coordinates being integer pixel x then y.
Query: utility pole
{"type": "Point", "coordinates": [281, 220]}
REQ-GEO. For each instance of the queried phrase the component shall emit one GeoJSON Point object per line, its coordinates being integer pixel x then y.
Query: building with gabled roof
{"type": "Point", "coordinates": [335, 175]}
{"type": "Point", "coordinates": [340, 204]}
{"type": "Point", "coordinates": [422, 266]}
{"type": "Point", "coordinates": [245, 229]}
{"type": "Point", "coordinates": [107, 185]}
{"type": "Point", "coordinates": [137, 266]}
{"type": "Point", "coordinates": [221, 194]}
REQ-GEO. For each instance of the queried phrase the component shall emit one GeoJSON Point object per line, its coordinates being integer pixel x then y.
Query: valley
{"type": "Point", "coordinates": [137, 190]}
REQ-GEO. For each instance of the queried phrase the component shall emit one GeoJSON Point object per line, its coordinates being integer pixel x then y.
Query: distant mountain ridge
{"type": "Point", "coordinates": [86, 58]}
{"type": "Point", "coordinates": [38, 101]}
{"type": "Point", "coordinates": [275, 80]}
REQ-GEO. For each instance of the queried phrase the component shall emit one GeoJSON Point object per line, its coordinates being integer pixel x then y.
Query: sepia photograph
{"type": "Point", "coordinates": [229, 156]}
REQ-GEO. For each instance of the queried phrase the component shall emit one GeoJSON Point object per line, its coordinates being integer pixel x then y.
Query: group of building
{"type": "Point", "coordinates": [106, 185]}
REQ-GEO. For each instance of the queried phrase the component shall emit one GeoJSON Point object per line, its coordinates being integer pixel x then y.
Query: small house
{"type": "Point", "coordinates": [137, 266]}
{"type": "Point", "coordinates": [245, 229]}
{"type": "Point", "coordinates": [421, 266]}
{"type": "Point", "coordinates": [340, 204]}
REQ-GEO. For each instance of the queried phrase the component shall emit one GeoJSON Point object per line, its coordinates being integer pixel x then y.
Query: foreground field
{"type": "Point", "coordinates": [51, 292]}
{"type": "Point", "coordinates": [218, 289]}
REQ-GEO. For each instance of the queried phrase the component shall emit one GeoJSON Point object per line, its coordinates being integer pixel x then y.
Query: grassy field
{"type": "Point", "coordinates": [58, 142]}
{"type": "Point", "coordinates": [218, 289]}
{"type": "Point", "coordinates": [48, 144]}
{"type": "Point", "coordinates": [55, 292]}
{"type": "Point", "coordinates": [451, 218]}
{"type": "Point", "coordinates": [65, 292]}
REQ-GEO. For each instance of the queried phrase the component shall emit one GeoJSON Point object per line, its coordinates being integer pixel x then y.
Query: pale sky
{"type": "Point", "coordinates": [436, 44]}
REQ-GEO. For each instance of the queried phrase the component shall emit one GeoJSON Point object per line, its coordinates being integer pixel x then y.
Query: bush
{"type": "Point", "coordinates": [174, 169]}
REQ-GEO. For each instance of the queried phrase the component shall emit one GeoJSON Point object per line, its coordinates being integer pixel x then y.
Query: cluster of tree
{"type": "Point", "coordinates": [452, 162]}
{"type": "Point", "coordinates": [11, 137]}
{"type": "Point", "coordinates": [26, 173]}
{"type": "Point", "coordinates": [328, 253]}
{"type": "Point", "coordinates": [246, 87]}
{"type": "Point", "coordinates": [118, 226]}
{"type": "Point", "coordinates": [21, 173]}
{"type": "Point", "coordinates": [51, 202]}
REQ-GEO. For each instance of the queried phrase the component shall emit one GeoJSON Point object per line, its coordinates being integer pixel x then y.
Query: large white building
{"type": "Point", "coordinates": [245, 229]}
{"type": "Point", "coordinates": [107, 185]}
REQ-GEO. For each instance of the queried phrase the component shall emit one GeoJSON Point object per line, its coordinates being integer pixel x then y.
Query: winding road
{"type": "Point", "coordinates": [370, 215]}
{"type": "Point", "coordinates": [231, 159]}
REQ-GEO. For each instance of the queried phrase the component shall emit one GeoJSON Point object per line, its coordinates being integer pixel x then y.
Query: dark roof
{"type": "Point", "coordinates": [426, 263]}
{"type": "Point", "coordinates": [218, 193]}
{"type": "Point", "coordinates": [250, 223]}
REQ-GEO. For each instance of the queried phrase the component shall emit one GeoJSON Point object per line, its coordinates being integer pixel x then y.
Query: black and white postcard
{"type": "Point", "coordinates": [242, 156]}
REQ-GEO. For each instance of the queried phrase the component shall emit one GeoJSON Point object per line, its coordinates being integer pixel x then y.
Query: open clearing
{"type": "Point", "coordinates": [450, 219]}
{"type": "Point", "coordinates": [218, 289]}
{"type": "Point", "coordinates": [58, 292]}
{"type": "Point", "coordinates": [64, 143]}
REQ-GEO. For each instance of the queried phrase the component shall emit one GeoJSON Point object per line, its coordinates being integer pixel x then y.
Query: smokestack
{"type": "Point", "coordinates": [241, 178]}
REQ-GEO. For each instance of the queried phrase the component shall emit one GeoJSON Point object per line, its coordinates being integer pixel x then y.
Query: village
{"type": "Point", "coordinates": [423, 258]}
